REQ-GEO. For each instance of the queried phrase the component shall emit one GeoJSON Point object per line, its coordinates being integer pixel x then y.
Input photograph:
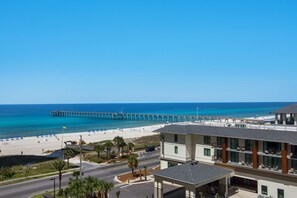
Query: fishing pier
{"type": "Point", "coordinates": [144, 117]}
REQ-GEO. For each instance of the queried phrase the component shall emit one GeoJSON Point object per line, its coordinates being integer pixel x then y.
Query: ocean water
{"type": "Point", "coordinates": [32, 120]}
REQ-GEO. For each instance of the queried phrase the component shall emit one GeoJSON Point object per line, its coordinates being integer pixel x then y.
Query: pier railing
{"type": "Point", "coordinates": [148, 117]}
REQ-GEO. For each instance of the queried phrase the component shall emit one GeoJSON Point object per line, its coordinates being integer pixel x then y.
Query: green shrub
{"type": "Point", "coordinates": [6, 173]}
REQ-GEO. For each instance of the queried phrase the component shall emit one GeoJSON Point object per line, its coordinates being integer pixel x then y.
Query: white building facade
{"type": "Point", "coordinates": [263, 161]}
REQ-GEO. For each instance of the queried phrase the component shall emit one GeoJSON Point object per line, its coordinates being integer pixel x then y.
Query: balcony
{"type": "Point", "coordinates": [292, 171]}
{"type": "Point", "coordinates": [270, 153]}
{"type": "Point", "coordinates": [274, 168]}
{"type": "Point", "coordinates": [240, 149]}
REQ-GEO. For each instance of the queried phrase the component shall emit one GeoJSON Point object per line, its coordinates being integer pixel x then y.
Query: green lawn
{"type": "Point", "coordinates": [24, 171]}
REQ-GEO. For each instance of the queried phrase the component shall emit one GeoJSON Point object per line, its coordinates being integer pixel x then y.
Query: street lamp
{"type": "Point", "coordinates": [197, 109]}
{"type": "Point", "coordinates": [54, 179]}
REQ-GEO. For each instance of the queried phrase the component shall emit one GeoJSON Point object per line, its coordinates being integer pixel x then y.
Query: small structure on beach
{"type": "Point", "coordinates": [286, 115]}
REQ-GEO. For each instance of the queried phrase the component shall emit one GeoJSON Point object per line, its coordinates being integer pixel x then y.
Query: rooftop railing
{"type": "Point", "coordinates": [222, 123]}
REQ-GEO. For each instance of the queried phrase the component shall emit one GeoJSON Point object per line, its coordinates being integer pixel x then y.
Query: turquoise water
{"type": "Point", "coordinates": [31, 120]}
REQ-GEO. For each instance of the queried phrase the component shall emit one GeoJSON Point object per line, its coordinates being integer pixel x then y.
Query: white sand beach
{"type": "Point", "coordinates": [38, 145]}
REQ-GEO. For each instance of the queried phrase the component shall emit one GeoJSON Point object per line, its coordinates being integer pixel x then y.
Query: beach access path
{"type": "Point", "coordinates": [38, 145]}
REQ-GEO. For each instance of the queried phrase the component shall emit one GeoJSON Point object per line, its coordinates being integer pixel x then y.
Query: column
{"type": "Point", "coordinates": [160, 189]}
{"type": "Point", "coordinates": [156, 190]}
{"type": "Point", "coordinates": [284, 118]}
{"type": "Point", "coordinates": [276, 118]}
{"type": "Point", "coordinates": [190, 192]}
{"type": "Point", "coordinates": [224, 151]}
{"type": "Point", "coordinates": [187, 193]}
{"type": "Point", "coordinates": [226, 187]}
{"type": "Point", "coordinates": [284, 158]}
{"type": "Point", "coordinates": [223, 187]}
{"type": "Point", "coordinates": [255, 155]}
{"type": "Point", "coordinates": [295, 119]}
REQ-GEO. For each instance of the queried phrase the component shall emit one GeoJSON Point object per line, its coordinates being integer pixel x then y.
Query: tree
{"type": "Point", "coordinates": [145, 172]}
{"type": "Point", "coordinates": [99, 188]}
{"type": "Point", "coordinates": [108, 145]}
{"type": "Point", "coordinates": [122, 145]}
{"type": "Point", "coordinates": [118, 194]}
{"type": "Point", "coordinates": [118, 140]}
{"type": "Point", "coordinates": [99, 148]}
{"type": "Point", "coordinates": [76, 174]}
{"type": "Point", "coordinates": [90, 186]}
{"type": "Point", "coordinates": [107, 186]}
{"type": "Point", "coordinates": [130, 146]}
{"type": "Point", "coordinates": [132, 163]}
{"type": "Point", "coordinates": [75, 189]}
{"type": "Point", "coordinates": [59, 165]}
{"type": "Point", "coordinates": [68, 153]}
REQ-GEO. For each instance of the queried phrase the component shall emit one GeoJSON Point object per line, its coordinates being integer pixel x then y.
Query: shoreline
{"type": "Point", "coordinates": [35, 145]}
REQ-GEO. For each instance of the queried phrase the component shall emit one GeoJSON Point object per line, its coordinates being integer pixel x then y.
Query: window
{"type": "Point", "coordinates": [206, 152]}
{"type": "Point", "coordinates": [175, 138]}
{"type": "Point", "coordinates": [248, 158]}
{"type": "Point", "coordinates": [220, 141]}
{"type": "Point", "coordinates": [219, 155]}
{"type": "Point", "coordinates": [280, 193]}
{"type": "Point", "coordinates": [233, 143]}
{"type": "Point", "coordinates": [162, 137]}
{"type": "Point", "coordinates": [249, 144]}
{"type": "Point", "coordinates": [234, 157]}
{"type": "Point", "coordinates": [272, 162]}
{"type": "Point", "coordinates": [176, 150]}
{"type": "Point", "coordinates": [171, 164]}
{"type": "Point", "coordinates": [206, 140]}
{"type": "Point", "coordinates": [272, 147]}
{"type": "Point", "coordinates": [264, 190]}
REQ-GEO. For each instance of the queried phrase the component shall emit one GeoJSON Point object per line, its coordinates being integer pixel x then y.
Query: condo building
{"type": "Point", "coordinates": [259, 159]}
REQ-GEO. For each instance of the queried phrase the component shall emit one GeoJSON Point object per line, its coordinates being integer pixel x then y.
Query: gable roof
{"type": "Point", "coordinates": [194, 173]}
{"type": "Point", "coordinates": [287, 109]}
{"type": "Point", "coordinates": [232, 132]}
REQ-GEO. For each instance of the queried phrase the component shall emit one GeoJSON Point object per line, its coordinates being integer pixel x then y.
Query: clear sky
{"type": "Point", "coordinates": [147, 51]}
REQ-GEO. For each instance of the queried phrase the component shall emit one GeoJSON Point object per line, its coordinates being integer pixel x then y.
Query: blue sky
{"type": "Point", "coordinates": [147, 51]}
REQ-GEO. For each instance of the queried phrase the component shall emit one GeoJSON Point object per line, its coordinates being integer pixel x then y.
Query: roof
{"type": "Point", "coordinates": [231, 132]}
{"type": "Point", "coordinates": [194, 173]}
{"type": "Point", "coordinates": [287, 109]}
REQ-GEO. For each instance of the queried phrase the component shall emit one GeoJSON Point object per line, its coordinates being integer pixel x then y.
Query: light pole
{"type": "Point", "coordinates": [64, 127]}
{"type": "Point", "coordinates": [80, 158]}
{"type": "Point", "coordinates": [54, 179]}
{"type": "Point", "coordinates": [197, 109]}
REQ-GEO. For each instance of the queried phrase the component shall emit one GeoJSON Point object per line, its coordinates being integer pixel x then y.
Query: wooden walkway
{"type": "Point", "coordinates": [144, 117]}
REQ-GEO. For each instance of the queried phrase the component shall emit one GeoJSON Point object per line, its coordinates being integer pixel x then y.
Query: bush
{"type": "Point", "coordinates": [6, 173]}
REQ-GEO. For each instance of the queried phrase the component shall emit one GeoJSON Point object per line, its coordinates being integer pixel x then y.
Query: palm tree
{"type": "Point", "coordinates": [107, 186]}
{"type": "Point", "coordinates": [99, 187]}
{"type": "Point", "coordinates": [99, 148]}
{"type": "Point", "coordinates": [108, 145]}
{"type": "Point", "coordinates": [68, 153]}
{"type": "Point", "coordinates": [59, 165]}
{"type": "Point", "coordinates": [132, 163]}
{"type": "Point", "coordinates": [90, 186]}
{"type": "Point", "coordinates": [75, 189]}
{"type": "Point", "coordinates": [75, 174]}
{"type": "Point", "coordinates": [145, 172]}
{"type": "Point", "coordinates": [118, 140]}
{"type": "Point", "coordinates": [118, 194]}
{"type": "Point", "coordinates": [122, 145]}
{"type": "Point", "coordinates": [130, 146]}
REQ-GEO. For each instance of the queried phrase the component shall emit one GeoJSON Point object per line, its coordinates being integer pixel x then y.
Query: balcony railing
{"type": "Point", "coordinates": [221, 123]}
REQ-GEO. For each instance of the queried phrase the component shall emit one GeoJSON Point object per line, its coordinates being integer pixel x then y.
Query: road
{"type": "Point", "coordinates": [29, 188]}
